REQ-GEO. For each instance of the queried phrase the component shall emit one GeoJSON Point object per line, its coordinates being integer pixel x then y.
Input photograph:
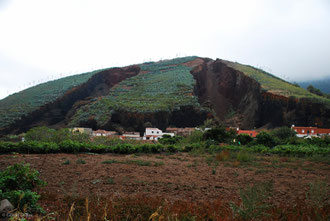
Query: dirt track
{"type": "Point", "coordinates": [177, 177]}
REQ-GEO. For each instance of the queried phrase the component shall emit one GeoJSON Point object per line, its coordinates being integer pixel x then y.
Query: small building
{"type": "Point", "coordinates": [180, 131]}
{"type": "Point", "coordinates": [100, 133]}
{"type": "Point", "coordinates": [131, 136]}
{"type": "Point", "coordinates": [155, 134]}
{"type": "Point", "coordinates": [310, 131]}
{"type": "Point", "coordinates": [251, 133]}
{"type": "Point", "coordinates": [82, 130]}
{"type": "Point", "coordinates": [323, 132]}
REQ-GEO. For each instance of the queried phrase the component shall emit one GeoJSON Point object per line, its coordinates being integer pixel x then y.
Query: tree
{"type": "Point", "coordinates": [44, 134]}
{"type": "Point", "coordinates": [283, 133]}
{"type": "Point", "coordinates": [314, 90]}
{"type": "Point", "coordinates": [219, 134]}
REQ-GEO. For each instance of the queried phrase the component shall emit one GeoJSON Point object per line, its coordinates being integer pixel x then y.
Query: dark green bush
{"type": "Point", "coordinates": [69, 146]}
{"type": "Point", "coordinates": [244, 139]}
{"type": "Point", "coordinates": [219, 134]}
{"type": "Point", "coordinates": [167, 139]}
{"type": "Point", "coordinates": [265, 139]}
{"type": "Point", "coordinates": [44, 134]}
{"type": "Point", "coordinates": [17, 183]}
{"type": "Point", "coordinates": [283, 133]}
{"type": "Point", "coordinates": [171, 148]}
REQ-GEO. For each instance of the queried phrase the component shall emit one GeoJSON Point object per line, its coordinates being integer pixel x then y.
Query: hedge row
{"type": "Point", "coordinates": [69, 146]}
{"type": "Point", "coordinates": [297, 150]}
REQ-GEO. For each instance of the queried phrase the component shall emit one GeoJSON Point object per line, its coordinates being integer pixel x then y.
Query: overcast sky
{"type": "Point", "coordinates": [46, 39]}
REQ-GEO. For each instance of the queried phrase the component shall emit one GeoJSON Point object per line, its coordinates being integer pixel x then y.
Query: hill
{"type": "Point", "coordinates": [178, 92]}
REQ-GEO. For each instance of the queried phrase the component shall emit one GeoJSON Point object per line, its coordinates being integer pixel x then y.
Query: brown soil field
{"type": "Point", "coordinates": [179, 176]}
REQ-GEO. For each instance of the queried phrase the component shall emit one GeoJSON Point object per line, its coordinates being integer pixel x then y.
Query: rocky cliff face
{"type": "Point", "coordinates": [239, 100]}
{"type": "Point", "coordinates": [231, 96]}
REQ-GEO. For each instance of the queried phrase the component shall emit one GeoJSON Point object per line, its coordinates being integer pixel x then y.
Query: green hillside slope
{"type": "Point", "coordinates": [274, 84]}
{"type": "Point", "coordinates": [161, 86]}
{"type": "Point", "coordinates": [22, 103]}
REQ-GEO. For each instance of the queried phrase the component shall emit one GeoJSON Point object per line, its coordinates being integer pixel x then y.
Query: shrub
{"type": "Point", "coordinates": [318, 193]}
{"type": "Point", "coordinates": [195, 137]}
{"type": "Point", "coordinates": [69, 146]}
{"type": "Point", "coordinates": [167, 139]}
{"type": "Point", "coordinates": [171, 149]}
{"type": "Point", "coordinates": [219, 134]}
{"type": "Point", "coordinates": [253, 202]}
{"type": "Point", "coordinates": [80, 161]}
{"type": "Point", "coordinates": [44, 134]}
{"type": "Point", "coordinates": [283, 133]}
{"type": "Point", "coordinates": [223, 155]}
{"type": "Point", "coordinates": [265, 139]}
{"type": "Point", "coordinates": [244, 139]}
{"type": "Point", "coordinates": [244, 156]}
{"type": "Point", "coordinates": [17, 183]}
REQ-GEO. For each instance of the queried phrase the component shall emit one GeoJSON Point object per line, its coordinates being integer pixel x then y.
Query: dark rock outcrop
{"type": "Point", "coordinates": [239, 100]}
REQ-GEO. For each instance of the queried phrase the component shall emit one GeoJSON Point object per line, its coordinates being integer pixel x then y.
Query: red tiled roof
{"type": "Point", "coordinates": [323, 131]}
{"type": "Point", "coordinates": [252, 133]}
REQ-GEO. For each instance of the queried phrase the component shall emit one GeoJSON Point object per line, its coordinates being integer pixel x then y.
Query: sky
{"type": "Point", "coordinates": [42, 40]}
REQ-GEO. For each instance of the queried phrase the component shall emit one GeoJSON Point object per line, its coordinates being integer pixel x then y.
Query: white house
{"type": "Point", "coordinates": [154, 134]}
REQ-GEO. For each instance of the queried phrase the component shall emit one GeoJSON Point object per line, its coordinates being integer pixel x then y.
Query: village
{"type": "Point", "coordinates": [154, 134]}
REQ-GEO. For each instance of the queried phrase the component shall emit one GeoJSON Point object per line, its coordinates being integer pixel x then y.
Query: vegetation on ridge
{"type": "Point", "coordinates": [22, 103]}
{"type": "Point", "coordinates": [161, 86]}
{"type": "Point", "coordinates": [274, 84]}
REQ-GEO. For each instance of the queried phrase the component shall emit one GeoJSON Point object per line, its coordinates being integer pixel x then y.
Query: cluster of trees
{"type": "Point", "coordinates": [281, 140]}
{"type": "Point", "coordinates": [45, 134]}
{"type": "Point", "coordinates": [219, 134]}
{"type": "Point", "coordinates": [317, 91]}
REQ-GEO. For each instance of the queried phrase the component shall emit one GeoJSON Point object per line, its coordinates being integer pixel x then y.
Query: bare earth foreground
{"type": "Point", "coordinates": [179, 176]}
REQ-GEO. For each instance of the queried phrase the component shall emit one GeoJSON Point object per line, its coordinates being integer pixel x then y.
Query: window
{"type": "Point", "coordinates": [157, 132]}
{"type": "Point", "coordinates": [312, 131]}
{"type": "Point", "coordinates": [152, 132]}
{"type": "Point", "coordinates": [303, 131]}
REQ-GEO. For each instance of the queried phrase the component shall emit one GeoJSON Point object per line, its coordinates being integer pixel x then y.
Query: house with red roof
{"type": "Point", "coordinates": [310, 131]}
{"type": "Point", "coordinates": [251, 133]}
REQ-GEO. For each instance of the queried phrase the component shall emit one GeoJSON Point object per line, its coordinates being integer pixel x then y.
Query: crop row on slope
{"type": "Point", "coordinates": [274, 84]}
{"type": "Point", "coordinates": [161, 86]}
{"type": "Point", "coordinates": [20, 104]}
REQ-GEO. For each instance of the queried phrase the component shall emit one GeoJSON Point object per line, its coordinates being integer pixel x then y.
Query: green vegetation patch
{"type": "Point", "coordinates": [161, 86]}
{"type": "Point", "coordinates": [15, 106]}
{"type": "Point", "coordinates": [274, 84]}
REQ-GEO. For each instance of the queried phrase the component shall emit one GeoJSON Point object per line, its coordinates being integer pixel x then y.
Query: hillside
{"type": "Point", "coordinates": [20, 104]}
{"type": "Point", "coordinates": [274, 84]}
{"type": "Point", "coordinates": [161, 86]}
{"type": "Point", "coordinates": [178, 92]}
